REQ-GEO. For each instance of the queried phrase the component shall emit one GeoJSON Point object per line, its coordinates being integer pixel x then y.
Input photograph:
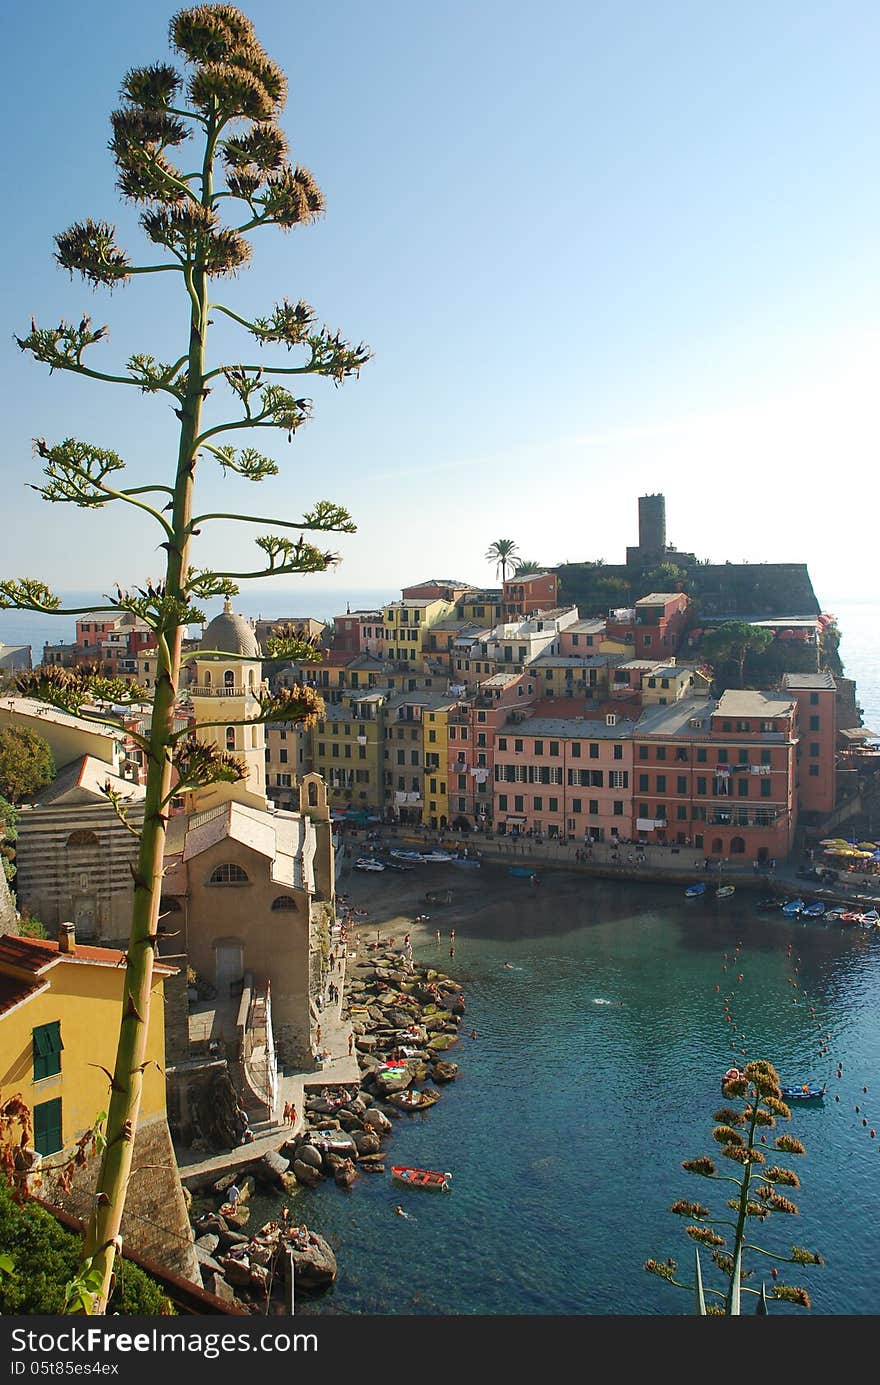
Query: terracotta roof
{"type": "Point", "coordinates": [37, 955]}
{"type": "Point", "coordinates": [13, 992]}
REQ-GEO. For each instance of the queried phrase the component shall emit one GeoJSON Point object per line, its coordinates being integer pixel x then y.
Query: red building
{"type": "Point", "coordinates": [817, 699]}
{"type": "Point", "coordinates": [472, 731]}
{"type": "Point", "coordinates": [538, 591]}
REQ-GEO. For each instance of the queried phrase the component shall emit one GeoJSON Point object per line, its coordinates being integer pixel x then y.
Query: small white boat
{"type": "Point", "coordinates": [401, 854]}
{"type": "Point", "coordinates": [724, 890]}
{"type": "Point", "coordinates": [436, 855]}
{"type": "Point", "coordinates": [367, 864]}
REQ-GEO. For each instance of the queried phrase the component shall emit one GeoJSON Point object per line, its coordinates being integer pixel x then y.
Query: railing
{"type": "Point", "coordinates": [198, 690]}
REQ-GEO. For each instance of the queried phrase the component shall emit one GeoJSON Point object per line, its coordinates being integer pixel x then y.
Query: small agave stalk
{"type": "Point", "coordinates": [757, 1197]}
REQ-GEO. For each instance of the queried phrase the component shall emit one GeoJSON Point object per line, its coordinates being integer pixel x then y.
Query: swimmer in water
{"type": "Point", "coordinates": [400, 1212]}
{"type": "Point", "coordinates": [509, 965]}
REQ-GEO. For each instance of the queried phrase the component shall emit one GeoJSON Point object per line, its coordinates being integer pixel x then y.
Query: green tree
{"type": "Point", "coordinates": [8, 837]}
{"type": "Point", "coordinates": [503, 554]}
{"type": "Point", "coordinates": [26, 763]}
{"type": "Point", "coordinates": [222, 116]}
{"type": "Point", "coordinates": [756, 1197]}
{"type": "Point", "coordinates": [732, 642]}
{"type": "Point", "coordinates": [526, 567]}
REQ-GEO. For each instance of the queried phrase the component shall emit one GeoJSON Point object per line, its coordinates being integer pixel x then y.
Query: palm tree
{"type": "Point", "coordinates": [502, 553]}
{"type": "Point", "coordinates": [526, 568]}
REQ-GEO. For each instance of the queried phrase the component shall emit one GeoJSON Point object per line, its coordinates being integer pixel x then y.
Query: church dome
{"type": "Point", "coordinates": [229, 633]}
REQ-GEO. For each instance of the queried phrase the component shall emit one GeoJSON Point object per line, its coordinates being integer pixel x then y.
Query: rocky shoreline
{"type": "Point", "coordinates": [404, 1017]}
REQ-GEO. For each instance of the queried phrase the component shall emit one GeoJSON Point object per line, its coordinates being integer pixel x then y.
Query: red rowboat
{"type": "Point", "coordinates": [421, 1178]}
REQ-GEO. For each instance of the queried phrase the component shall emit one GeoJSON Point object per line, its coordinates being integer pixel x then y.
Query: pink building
{"type": "Point", "coordinates": [472, 730]}
{"type": "Point", "coordinates": [565, 777]}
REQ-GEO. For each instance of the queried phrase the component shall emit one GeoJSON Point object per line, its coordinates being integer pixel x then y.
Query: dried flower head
{"type": "Point", "coordinates": [89, 247]}
{"type": "Point", "coordinates": [782, 1204]}
{"type": "Point", "coordinates": [664, 1269]}
{"type": "Point", "coordinates": [704, 1235]}
{"type": "Point", "coordinates": [264, 145]}
{"type": "Point", "coordinates": [806, 1257]}
{"type": "Point", "coordinates": [292, 197]}
{"type": "Point", "coordinates": [151, 88]}
{"type": "Point", "coordinates": [689, 1209]}
{"type": "Point", "coordinates": [702, 1165]}
{"type": "Point", "coordinates": [210, 33]}
{"type": "Point", "coordinates": [235, 90]}
{"type": "Point", "coordinates": [724, 1135]}
{"type": "Point", "coordinates": [789, 1145]}
{"type": "Point", "coordinates": [784, 1177]}
{"type": "Point", "coordinates": [728, 1115]}
{"type": "Point", "coordinates": [764, 1078]}
{"type": "Point", "coordinates": [778, 1107]}
{"type": "Point", "coordinates": [792, 1293]}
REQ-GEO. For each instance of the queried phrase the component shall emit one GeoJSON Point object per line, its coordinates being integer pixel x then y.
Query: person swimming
{"type": "Point", "coordinates": [400, 1212]}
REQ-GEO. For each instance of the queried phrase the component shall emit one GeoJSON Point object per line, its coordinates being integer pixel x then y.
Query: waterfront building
{"type": "Point", "coordinates": [347, 749]}
{"type": "Point", "coordinates": [472, 728]}
{"type": "Point", "coordinates": [816, 697]}
{"type": "Point", "coordinates": [404, 755]}
{"type": "Point", "coordinates": [718, 775]}
{"type": "Point", "coordinates": [565, 777]}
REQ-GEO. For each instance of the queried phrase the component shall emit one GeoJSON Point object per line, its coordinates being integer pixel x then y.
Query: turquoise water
{"type": "Point", "coordinates": [595, 1072]}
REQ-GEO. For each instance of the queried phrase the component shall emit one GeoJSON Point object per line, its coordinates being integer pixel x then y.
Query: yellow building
{"type": "Point", "coordinates": [406, 623]}
{"type": "Point", "coordinates": [60, 1007]}
{"type": "Point", "coordinates": [226, 682]}
{"type": "Point", "coordinates": [435, 740]}
{"type": "Point", "coordinates": [347, 745]}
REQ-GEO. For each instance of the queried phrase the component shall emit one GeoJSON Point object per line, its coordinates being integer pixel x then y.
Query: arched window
{"type": "Point", "coordinates": [229, 679]}
{"type": "Point", "coordinates": [737, 846]}
{"type": "Point", "coordinates": [283, 904]}
{"type": "Point", "coordinates": [207, 678]}
{"type": "Point", "coordinates": [82, 839]}
{"type": "Point", "coordinates": [253, 738]}
{"type": "Point", "coordinates": [313, 795]}
{"type": "Point", "coordinates": [169, 905]}
{"type": "Point", "coordinates": [250, 677]}
{"type": "Point", "coordinates": [717, 846]}
{"type": "Point", "coordinates": [228, 874]}
{"type": "Point", "coordinates": [230, 738]}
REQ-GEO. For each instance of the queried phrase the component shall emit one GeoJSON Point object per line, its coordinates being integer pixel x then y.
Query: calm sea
{"type": "Point", "coordinates": [596, 1071]}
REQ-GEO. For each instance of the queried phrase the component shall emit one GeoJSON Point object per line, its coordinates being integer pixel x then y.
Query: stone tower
{"type": "Point", "coordinates": [227, 676]}
{"type": "Point", "coordinates": [652, 526]}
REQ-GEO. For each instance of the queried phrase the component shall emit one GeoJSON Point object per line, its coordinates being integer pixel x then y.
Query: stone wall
{"type": "Point", "coordinates": [8, 916]}
{"type": "Point", "coordinates": [155, 1221]}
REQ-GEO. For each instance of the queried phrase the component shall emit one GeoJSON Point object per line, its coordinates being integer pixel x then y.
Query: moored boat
{"type": "Point", "coordinates": [768, 906]}
{"type": "Point", "coordinates": [814, 911]}
{"type": "Point", "coordinates": [400, 853]}
{"type": "Point", "coordinates": [723, 891]}
{"type": "Point", "coordinates": [871, 918]}
{"type": "Point", "coordinates": [793, 907]}
{"type": "Point", "coordinates": [421, 1178]}
{"type": "Point", "coordinates": [807, 1091]}
{"type": "Point", "coordinates": [693, 891]}
{"type": "Point", "coordinates": [436, 855]}
{"type": "Point", "coordinates": [834, 915]}
{"type": "Point", "coordinates": [367, 863]}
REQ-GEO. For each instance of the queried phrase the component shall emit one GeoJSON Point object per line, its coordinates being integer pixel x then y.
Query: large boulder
{"type": "Point", "coordinates": [440, 1042]}
{"type": "Point", "coordinates": [365, 1043]}
{"type": "Point", "coordinates": [236, 1270]}
{"type": "Point", "coordinates": [374, 1119]}
{"type": "Point", "coordinates": [390, 1080]}
{"type": "Point", "coordinates": [270, 1168]}
{"type": "Point", "coordinates": [307, 1173]}
{"type": "Point", "coordinates": [315, 1266]}
{"type": "Point", "coordinates": [366, 1142]}
{"type": "Point", "coordinates": [308, 1154]}
{"type": "Point", "coordinates": [444, 1072]}
{"type": "Point", "coordinates": [349, 1121]}
{"type": "Point", "coordinates": [208, 1243]}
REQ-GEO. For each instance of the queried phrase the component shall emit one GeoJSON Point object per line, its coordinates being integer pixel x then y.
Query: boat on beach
{"type": "Point", "coordinates": [694, 891]}
{"type": "Point", "coordinates": [436, 855]}
{"type": "Point", "coordinates": [400, 853]}
{"type": "Point", "coordinates": [421, 1178]}
{"type": "Point", "coordinates": [793, 907]}
{"type": "Point", "coordinates": [367, 863]}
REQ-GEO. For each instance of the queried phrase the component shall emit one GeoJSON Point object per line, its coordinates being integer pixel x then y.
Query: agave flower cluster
{"type": "Point", "coordinates": [741, 1133]}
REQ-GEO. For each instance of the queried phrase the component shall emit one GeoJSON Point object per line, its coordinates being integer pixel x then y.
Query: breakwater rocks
{"type": "Point", "coordinates": [404, 1017]}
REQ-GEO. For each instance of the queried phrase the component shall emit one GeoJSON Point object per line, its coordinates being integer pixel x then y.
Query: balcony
{"type": "Point", "coordinates": [198, 690]}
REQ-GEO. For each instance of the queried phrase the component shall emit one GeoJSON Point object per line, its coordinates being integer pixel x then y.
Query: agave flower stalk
{"type": "Point", "coordinates": [738, 1132]}
{"type": "Point", "coordinates": [226, 108]}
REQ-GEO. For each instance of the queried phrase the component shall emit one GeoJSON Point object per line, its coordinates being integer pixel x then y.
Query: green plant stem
{"type": "Point", "coordinates": [739, 1233]}
{"type": "Point", "coordinates": [103, 1232]}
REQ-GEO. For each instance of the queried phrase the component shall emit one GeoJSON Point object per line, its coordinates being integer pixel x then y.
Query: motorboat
{"type": "Point", "coordinates": [367, 863]}
{"type": "Point", "coordinates": [793, 907]}
{"type": "Point", "coordinates": [694, 891]}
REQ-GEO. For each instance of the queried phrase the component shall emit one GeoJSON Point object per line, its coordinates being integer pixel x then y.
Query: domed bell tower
{"type": "Point", "coordinates": [226, 680]}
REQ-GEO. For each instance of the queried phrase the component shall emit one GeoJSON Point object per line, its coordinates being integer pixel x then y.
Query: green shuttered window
{"type": "Point", "coordinates": [47, 1050]}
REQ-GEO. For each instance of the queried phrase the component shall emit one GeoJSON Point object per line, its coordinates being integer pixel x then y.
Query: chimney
{"type": "Point", "coordinates": [66, 938]}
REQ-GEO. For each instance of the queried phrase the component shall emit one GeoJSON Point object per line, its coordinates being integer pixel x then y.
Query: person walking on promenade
{"type": "Point", "coordinates": [350, 1044]}
{"type": "Point", "coordinates": [318, 1036]}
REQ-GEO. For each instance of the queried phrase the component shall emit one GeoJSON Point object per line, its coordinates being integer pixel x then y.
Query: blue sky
{"type": "Point", "coordinates": [598, 249]}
